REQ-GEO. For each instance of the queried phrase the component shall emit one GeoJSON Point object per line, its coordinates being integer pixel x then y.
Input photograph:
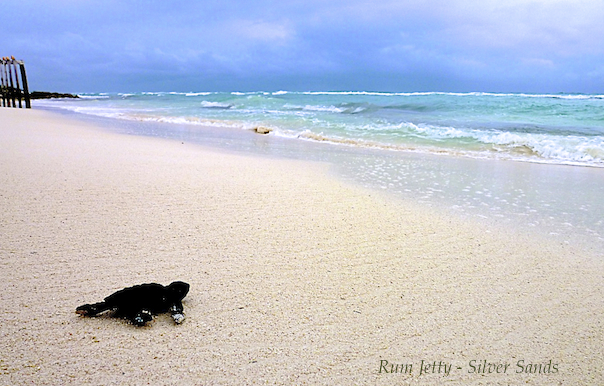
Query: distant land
{"type": "Point", "coordinates": [50, 95]}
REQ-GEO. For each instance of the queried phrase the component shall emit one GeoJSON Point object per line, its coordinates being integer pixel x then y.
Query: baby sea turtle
{"type": "Point", "coordinates": [141, 302]}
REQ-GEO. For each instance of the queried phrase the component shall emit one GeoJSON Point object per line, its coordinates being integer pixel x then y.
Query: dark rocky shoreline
{"type": "Point", "coordinates": [50, 95]}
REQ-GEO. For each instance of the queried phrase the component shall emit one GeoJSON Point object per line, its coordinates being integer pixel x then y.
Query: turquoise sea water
{"type": "Point", "coordinates": [532, 162]}
{"type": "Point", "coordinates": [559, 128]}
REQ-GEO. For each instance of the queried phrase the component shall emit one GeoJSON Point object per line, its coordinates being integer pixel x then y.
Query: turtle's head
{"type": "Point", "coordinates": [178, 290]}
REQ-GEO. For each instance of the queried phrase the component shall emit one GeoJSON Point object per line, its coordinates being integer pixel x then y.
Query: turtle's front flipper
{"type": "Point", "coordinates": [92, 309]}
{"type": "Point", "coordinates": [176, 310]}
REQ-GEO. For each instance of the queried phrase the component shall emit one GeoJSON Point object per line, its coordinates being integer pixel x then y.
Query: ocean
{"type": "Point", "coordinates": [532, 161]}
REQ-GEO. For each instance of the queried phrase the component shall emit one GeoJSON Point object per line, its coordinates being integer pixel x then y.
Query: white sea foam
{"type": "Point", "coordinates": [239, 93]}
{"type": "Point", "coordinates": [326, 109]}
{"type": "Point", "coordinates": [188, 120]}
{"type": "Point", "coordinates": [540, 148]}
{"type": "Point", "coordinates": [460, 94]}
{"type": "Point", "coordinates": [569, 149]}
{"type": "Point", "coordinates": [153, 93]}
{"type": "Point", "coordinates": [190, 94]}
{"type": "Point", "coordinates": [84, 96]}
{"type": "Point", "coordinates": [331, 109]}
{"type": "Point", "coordinates": [215, 105]}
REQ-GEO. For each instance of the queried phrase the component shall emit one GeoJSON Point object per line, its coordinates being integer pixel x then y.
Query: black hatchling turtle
{"type": "Point", "coordinates": [141, 302]}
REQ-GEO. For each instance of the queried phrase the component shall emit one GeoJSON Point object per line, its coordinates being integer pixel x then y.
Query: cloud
{"type": "Point", "coordinates": [539, 63]}
{"type": "Point", "coordinates": [553, 26]}
{"type": "Point", "coordinates": [258, 30]}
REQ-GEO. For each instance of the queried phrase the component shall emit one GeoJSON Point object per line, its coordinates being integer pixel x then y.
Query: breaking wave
{"type": "Point", "coordinates": [215, 105]}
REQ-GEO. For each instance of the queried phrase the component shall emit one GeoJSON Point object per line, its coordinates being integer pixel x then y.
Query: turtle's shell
{"type": "Point", "coordinates": [153, 297]}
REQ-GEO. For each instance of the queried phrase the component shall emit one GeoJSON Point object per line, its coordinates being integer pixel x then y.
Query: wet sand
{"type": "Point", "coordinates": [296, 277]}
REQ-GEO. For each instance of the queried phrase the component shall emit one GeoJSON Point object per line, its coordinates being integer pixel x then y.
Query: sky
{"type": "Point", "coordinates": [329, 45]}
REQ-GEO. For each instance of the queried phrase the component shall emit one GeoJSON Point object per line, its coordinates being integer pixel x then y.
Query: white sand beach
{"type": "Point", "coordinates": [296, 277]}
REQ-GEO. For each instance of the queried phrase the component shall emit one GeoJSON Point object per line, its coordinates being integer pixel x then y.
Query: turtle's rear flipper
{"type": "Point", "coordinates": [91, 309]}
{"type": "Point", "coordinates": [142, 317]}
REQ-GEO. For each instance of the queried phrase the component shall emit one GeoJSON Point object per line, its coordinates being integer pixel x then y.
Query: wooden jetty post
{"type": "Point", "coordinates": [13, 85]}
{"type": "Point", "coordinates": [4, 87]}
{"type": "Point", "coordinates": [25, 87]}
{"type": "Point", "coordinates": [10, 86]}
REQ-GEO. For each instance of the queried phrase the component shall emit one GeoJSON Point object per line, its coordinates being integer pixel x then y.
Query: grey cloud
{"type": "Point", "coordinates": [456, 45]}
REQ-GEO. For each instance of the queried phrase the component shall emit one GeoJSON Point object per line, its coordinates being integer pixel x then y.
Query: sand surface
{"type": "Point", "coordinates": [296, 278]}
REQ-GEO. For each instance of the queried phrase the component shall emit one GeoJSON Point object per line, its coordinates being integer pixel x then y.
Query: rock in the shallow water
{"type": "Point", "coordinates": [262, 130]}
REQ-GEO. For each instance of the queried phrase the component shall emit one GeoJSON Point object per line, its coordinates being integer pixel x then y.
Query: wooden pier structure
{"type": "Point", "coordinates": [13, 88]}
